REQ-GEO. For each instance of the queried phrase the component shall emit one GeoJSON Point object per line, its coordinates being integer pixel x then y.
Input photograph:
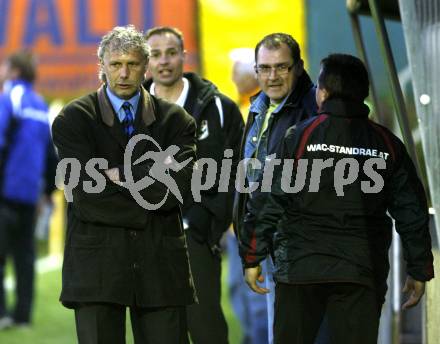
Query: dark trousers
{"type": "Point", "coordinates": [352, 312]}
{"type": "Point", "coordinates": [206, 321]}
{"type": "Point", "coordinates": [17, 240]}
{"type": "Point", "coordinates": [104, 323]}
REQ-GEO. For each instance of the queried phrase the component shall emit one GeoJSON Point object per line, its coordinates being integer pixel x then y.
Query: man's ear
{"type": "Point", "coordinates": [101, 65]}
{"type": "Point", "coordinates": [323, 95]}
{"type": "Point", "coordinates": [101, 73]}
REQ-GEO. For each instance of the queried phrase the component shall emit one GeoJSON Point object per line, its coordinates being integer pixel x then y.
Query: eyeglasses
{"type": "Point", "coordinates": [281, 69]}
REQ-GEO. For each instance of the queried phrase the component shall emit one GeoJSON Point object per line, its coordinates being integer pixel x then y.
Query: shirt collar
{"type": "Point", "coordinates": [183, 95]}
{"type": "Point", "coordinates": [344, 108]}
{"type": "Point", "coordinates": [117, 103]}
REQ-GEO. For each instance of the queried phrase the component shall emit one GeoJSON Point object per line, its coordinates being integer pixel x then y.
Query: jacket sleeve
{"type": "Point", "coordinates": [264, 210]}
{"type": "Point", "coordinates": [211, 217]}
{"type": "Point", "coordinates": [5, 120]}
{"type": "Point", "coordinates": [50, 169]}
{"type": "Point", "coordinates": [73, 137]}
{"type": "Point", "coordinates": [233, 131]}
{"type": "Point", "coordinates": [234, 128]}
{"type": "Point", "coordinates": [239, 204]}
{"type": "Point", "coordinates": [407, 205]}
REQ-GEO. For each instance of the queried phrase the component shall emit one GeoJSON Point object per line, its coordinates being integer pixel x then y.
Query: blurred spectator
{"type": "Point", "coordinates": [26, 159]}
{"type": "Point", "coordinates": [249, 307]}
{"type": "Point", "coordinates": [220, 127]}
{"type": "Point", "coordinates": [244, 77]}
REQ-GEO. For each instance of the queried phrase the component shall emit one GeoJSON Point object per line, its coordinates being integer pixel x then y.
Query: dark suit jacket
{"type": "Point", "coordinates": [117, 251]}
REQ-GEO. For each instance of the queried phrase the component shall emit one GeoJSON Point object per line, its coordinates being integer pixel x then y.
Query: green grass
{"type": "Point", "coordinates": [233, 324]}
{"type": "Point", "coordinates": [54, 324]}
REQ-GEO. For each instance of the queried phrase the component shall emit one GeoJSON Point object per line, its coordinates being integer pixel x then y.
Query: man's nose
{"type": "Point", "coordinates": [125, 71]}
{"type": "Point", "coordinates": [273, 73]}
{"type": "Point", "coordinates": [163, 59]}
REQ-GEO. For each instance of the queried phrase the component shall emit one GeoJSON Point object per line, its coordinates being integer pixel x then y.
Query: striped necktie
{"type": "Point", "coordinates": [128, 120]}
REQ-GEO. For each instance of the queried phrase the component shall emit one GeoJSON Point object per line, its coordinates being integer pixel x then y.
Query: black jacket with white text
{"type": "Point", "coordinates": [329, 210]}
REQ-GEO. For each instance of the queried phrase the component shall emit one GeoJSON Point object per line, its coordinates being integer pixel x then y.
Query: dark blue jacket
{"type": "Point", "coordinates": [24, 142]}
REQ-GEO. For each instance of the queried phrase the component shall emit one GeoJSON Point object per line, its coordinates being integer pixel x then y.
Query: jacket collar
{"type": "Point", "coordinates": [344, 108]}
{"type": "Point", "coordinates": [145, 108]}
{"type": "Point", "coordinates": [200, 93]}
{"type": "Point", "coordinates": [201, 88]}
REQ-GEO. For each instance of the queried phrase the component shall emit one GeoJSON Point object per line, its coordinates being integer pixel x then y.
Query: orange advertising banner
{"type": "Point", "coordinates": [64, 35]}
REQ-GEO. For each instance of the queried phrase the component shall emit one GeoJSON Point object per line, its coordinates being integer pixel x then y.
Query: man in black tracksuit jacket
{"type": "Point", "coordinates": [332, 234]}
{"type": "Point", "coordinates": [219, 128]}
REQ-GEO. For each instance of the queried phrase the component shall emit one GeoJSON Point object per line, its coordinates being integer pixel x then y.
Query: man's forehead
{"type": "Point", "coordinates": [279, 54]}
{"type": "Point", "coordinates": [163, 40]}
{"type": "Point", "coordinates": [118, 54]}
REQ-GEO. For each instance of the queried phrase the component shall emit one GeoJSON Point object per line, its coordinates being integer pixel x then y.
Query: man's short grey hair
{"type": "Point", "coordinates": [122, 39]}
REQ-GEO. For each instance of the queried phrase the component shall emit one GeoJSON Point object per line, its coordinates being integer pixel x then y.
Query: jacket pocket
{"type": "Point", "coordinates": [174, 262]}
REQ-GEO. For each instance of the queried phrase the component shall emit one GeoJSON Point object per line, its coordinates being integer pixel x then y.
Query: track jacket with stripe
{"type": "Point", "coordinates": [329, 213]}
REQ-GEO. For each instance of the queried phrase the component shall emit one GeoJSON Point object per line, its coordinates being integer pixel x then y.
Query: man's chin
{"type": "Point", "coordinates": [166, 81]}
{"type": "Point", "coordinates": [276, 97]}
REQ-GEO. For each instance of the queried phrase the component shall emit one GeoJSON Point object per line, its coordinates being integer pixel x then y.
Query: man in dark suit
{"type": "Point", "coordinates": [119, 254]}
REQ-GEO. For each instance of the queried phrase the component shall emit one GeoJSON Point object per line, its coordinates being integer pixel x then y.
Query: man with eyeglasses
{"type": "Point", "coordinates": [287, 96]}
{"type": "Point", "coordinates": [332, 238]}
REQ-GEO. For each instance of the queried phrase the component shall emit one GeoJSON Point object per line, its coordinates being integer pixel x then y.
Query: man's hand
{"type": "Point", "coordinates": [251, 276]}
{"type": "Point", "coordinates": [113, 175]}
{"type": "Point", "coordinates": [416, 289]}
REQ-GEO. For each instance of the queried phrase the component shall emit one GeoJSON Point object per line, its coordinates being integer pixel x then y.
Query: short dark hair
{"type": "Point", "coordinates": [160, 30]}
{"type": "Point", "coordinates": [24, 62]}
{"type": "Point", "coordinates": [344, 76]}
{"type": "Point", "coordinates": [274, 41]}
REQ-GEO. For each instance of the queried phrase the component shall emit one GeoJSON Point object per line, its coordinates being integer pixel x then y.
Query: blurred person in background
{"type": "Point", "coordinates": [249, 307]}
{"type": "Point", "coordinates": [220, 127]}
{"type": "Point", "coordinates": [244, 77]}
{"type": "Point", "coordinates": [287, 96]}
{"type": "Point", "coordinates": [27, 177]}
{"type": "Point", "coordinates": [118, 254]}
